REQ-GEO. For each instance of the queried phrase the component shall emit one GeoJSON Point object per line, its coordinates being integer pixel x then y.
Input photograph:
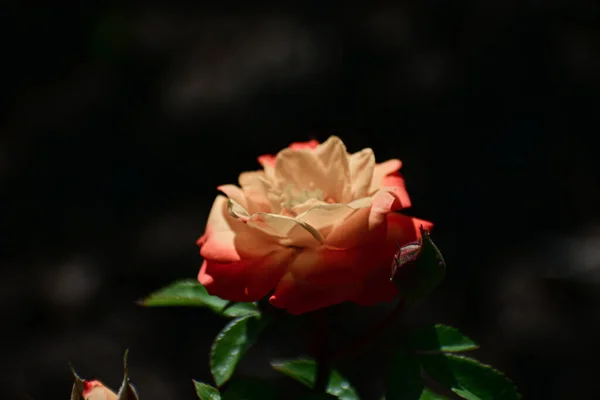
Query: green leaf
{"type": "Point", "coordinates": [319, 396]}
{"type": "Point", "coordinates": [418, 268]}
{"type": "Point", "coordinates": [468, 378]}
{"type": "Point", "coordinates": [190, 293]}
{"type": "Point", "coordinates": [440, 338]}
{"type": "Point", "coordinates": [304, 371]}
{"type": "Point", "coordinates": [404, 380]}
{"type": "Point", "coordinates": [235, 310]}
{"type": "Point", "coordinates": [231, 344]}
{"type": "Point", "coordinates": [249, 389]}
{"type": "Point", "coordinates": [206, 392]}
{"type": "Point", "coordinates": [428, 394]}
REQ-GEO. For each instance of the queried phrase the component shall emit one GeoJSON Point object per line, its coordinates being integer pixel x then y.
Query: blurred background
{"type": "Point", "coordinates": [120, 119]}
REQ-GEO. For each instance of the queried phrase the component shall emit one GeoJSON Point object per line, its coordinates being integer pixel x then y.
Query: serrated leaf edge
{"type": "Point", "coordinates": [472, 347]}
{"type": "Point", "coordinates": [197, 383]}
{"type": "Point", "coordinates": [486, 367]}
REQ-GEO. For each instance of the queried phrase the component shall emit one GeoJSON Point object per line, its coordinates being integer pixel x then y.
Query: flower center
{"type": "Point", "coordinates": [293, 195]}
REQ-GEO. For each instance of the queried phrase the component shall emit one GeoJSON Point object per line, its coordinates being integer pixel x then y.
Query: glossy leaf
{"type": "Point", "coordinates": [190, 293]}
{"type": "Point", "coordinates": [235, 310]}
{"type": "Point", "coordinates": [418, 268]}
{"type": "Point", "coordinates": [249, 389]}
{"type": "Point", "coordinates": [304, 371]}
{"type": "Point", "coordinates": [404, 378]}
{"type": "Point", "coordinates": [231, 344]}
{"type": "Point", "coordinates": [468, 378]}
{"type": "Point", "coordinates": [440, 338]}
{"type": "Point", "coordinates": [206, 392]}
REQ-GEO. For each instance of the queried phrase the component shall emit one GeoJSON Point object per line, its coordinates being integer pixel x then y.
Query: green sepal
{"type": "Point", "coordinates": [126, 391]}
{"type": "Point", "coordinates": [78, 385]}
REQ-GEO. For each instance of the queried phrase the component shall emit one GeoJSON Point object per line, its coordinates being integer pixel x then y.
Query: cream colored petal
{"type": "Point", "coordinates": [269, 172]}
{"type": "Point", "coordinates": [324, 217]}
{"type": "Point", "coordinates": [381, 171]}
{"type": "Point", "coordinates": [334, 158]}
{"type": "Point", "coordinates": [256, 190]}
{"type": "Point", "coordinates": [325, 168]}
{"type": "Point", "coordinates": [235, 193]}
{"type": "Point", "coordinates": [288, 231]}
{"type": "Point", "coordinates": [228, 239]}
{"type": "Point", "coordinates": [237, 211]}
{"type": "Point", "coordinates": [301, 168]}
{"type": "Point", "coordinates": [362, 165]}
{"type": "Point", "coordinates": [307, 205]}
{"type": "Point", "coordinates": [363, 202]}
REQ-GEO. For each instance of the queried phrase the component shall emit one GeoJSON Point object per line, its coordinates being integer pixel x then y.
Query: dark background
{"type": "Point", "coordinates": [119, 121]}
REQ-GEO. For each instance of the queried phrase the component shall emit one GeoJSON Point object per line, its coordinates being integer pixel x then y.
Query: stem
{"type": "Point", "coordinates": [370, 335]}
{"type": "Point", "coordinates": [322, 353]}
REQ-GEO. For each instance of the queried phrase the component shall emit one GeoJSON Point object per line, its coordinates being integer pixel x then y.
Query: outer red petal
{"type": "Point", "coordinates": [240, 263]}
{"type": "Point", "coordinates": [245, 280]}
{"type": "Point", "coordinates": [396, 181]}
{"type": "Point", "coordinates": [311, 144]}
{"type": "Point", "coordinates": [377, 286]}
{"type": "Point", "coordinates": [267, 160]}
{"type": "Point", "coordinates": [321, 277]}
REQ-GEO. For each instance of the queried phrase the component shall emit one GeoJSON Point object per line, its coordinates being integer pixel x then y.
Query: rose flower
{"type": "Point", "coordinates": [316, 225]}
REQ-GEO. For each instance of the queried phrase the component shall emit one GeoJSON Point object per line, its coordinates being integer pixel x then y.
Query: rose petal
{"type": "Point", "coordinates": [365, 227]}
{"type": "Point", "coordinates": [325, 216]}
{"type": "Point", "coordinates": [325, 168]}
{"type": "Point", "coordinates": [334, 158]}
{"type": "Point", "coordinates": [288, 231]}
{"type": "Point", "coordinates": [356, 230]}
{"type": "Point", "coordinates": [245, 280]}
{"type": "Point", "coordinates": [377, 286]}
{"type": "Point", "coordinates": [95, 390]}
{"type": "Point", "coordinates": [256, 191]}
{"type": "Point", "coordinates": [361, 166]}
{"type": "Point", "coordinates": [311, 144]}
{"type": "Point", "coordinates": [234, 193]}
{"type": "Point", "coordinates": [236, 211]}
{"type": "Point", "coordinates": [227, 239]}
{"type": "Point", "coordinates": [394, 182]}
{"type": "Point", "coordinates": [307, 205]}
{"type": "Point", "coordinates": [319, 278]}
{"type": "Point", "coordinates": [382, 170]}
{"type": "Point", "coordinates": [267, 160]}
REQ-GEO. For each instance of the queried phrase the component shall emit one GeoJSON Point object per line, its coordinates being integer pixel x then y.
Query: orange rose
{"type": "Point", "coordinates": [316, 224]}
